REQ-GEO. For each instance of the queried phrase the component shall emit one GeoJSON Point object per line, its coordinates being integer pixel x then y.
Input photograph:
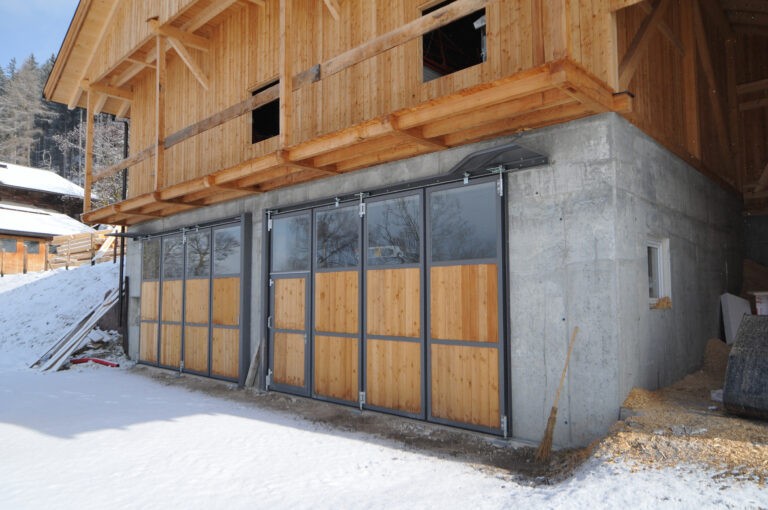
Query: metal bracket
{"type": "Point", "coordinates": [362, 399]}
{"type": "Point", "coordinates": [504, 425]}
{"type": "Point", "coordinates": [361, 210]}
{"type": "Point", "coordinates": [269, 221]}
{"type": "Point", "coordinates": [269, 378]}
{"type": "Point", "coordinates": [269, 322]}
{"type": "Point", "coordinates": [271, 282]}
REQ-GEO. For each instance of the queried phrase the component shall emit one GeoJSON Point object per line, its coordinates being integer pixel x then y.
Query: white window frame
{"type": "Point", "coordinates": [663, 278]}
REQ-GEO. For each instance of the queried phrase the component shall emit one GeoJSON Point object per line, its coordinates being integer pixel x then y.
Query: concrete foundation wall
{"type": "Point", "coordinates": [576, 256]}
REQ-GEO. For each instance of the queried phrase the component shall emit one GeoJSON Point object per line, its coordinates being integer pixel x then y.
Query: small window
{"type": "Point", "coordinates": [290, 243]}
{"type": "Point", "coordinates": [32, 247]}
{"type": "Point", "coordinates": [226, 251]}
{"type": "Point", "coordinates": [463, 223]}
{"type": "Point", "coordinates": [338, 238]}
{"type": "Point", "coordinates": [8, 245]}
{"type": "Point", "coordinates": [199, 254]}
{"type": "Point", "coordinates": [394, 231]}
{"type": "Point", "coordinates": [455, 46]}
{"type": "Point", "coordinates": [173, 257]}
{"type": "Point", "coordinates": [659, 281]}
{"type": "Point", "coordinates": [265, 121]}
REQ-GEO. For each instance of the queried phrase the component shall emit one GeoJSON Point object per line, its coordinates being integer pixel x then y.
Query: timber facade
{"type": "Point", "coordinates": [341, 199]}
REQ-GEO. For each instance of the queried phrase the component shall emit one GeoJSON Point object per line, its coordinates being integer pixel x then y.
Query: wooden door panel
{"type": "Point", "coordinates": [336, 302]}
{"type": "Point", "coordinates": [394, 375]}
{"type": "Point", "coordinates": [196, 307]}
{"type": "Point", "coordinates": [226, 301]}
{"type": "Point", "coordinates": [196, 348]}
{"type": "Point", "coordinates": [149, 300]}
{"type": "Point", "coordinates": [336, 367]}
{"type": "Point", "coordinates": [290, 303]}
{"type": "Point", "coordinates": [464, 303]}
{"type": "Point", "coordinates": [148, 342]}
{"type": "Point", "coordinates": [393, 302]}
{"type": "Point", "coordinates": [172, 299]}
{"type": "Point", "coordinates": [289, 355]}
{"type": "Point", "coordinates": [170, 345]}
{"type": "Point", "coordinates": [225, 352]}
{"type": "Point", "coordinates": [465, 384]}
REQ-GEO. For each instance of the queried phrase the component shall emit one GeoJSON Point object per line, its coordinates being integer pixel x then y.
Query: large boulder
{"type": "Point", "coordinates": [746, 378]}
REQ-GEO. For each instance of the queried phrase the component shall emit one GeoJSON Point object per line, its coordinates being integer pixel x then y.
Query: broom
{"type": "Point", "coordinates": [545, 448]}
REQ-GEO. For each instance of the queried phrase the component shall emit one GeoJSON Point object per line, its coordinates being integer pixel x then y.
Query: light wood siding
{"type": "Point", "coordinates": [196, 348]}
{"type": "Point", "coordinates": [336, 302]}
{"type": "Point", "coordinates": [336, 367]}
{"type": "Point", "coordinates": [464, 303]}
{"type": "Point", "coordinates": [290, 303]}
{"type": "Point", "coordinates": [21, 261]}
{"type": "Point", "coordinates": [465, 384]}
{"type": "Point", "coordinates": [170, 345]}
{"type": "Point", "coordinates": [225, 349]}
{"type": "Point", "coordinates": [393, 375]}
{"type": "Point", "coordinates": [226, 301]}
{"type": "Point", "coordinates": [289, 355]}
{"type": "Point", "coordinates": [196, 304]}
{"type": "Point", "coordinates": [149, 300]}
{"type": "Point", "coordinates": [148, 342]}
{"type": "Point", "coordinates": [393, 302]}
{"type": "Point", "coordinates": [172, 299]}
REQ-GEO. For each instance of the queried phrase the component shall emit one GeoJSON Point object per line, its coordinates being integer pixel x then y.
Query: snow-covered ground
{"type": "Point", "coordinates": [96, 437]}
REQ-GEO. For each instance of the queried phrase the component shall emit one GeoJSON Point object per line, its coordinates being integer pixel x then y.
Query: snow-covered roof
{"type": "Point", "coordinates": [26, 177]}
{"type": "Point", "coordinates": [24, 220]}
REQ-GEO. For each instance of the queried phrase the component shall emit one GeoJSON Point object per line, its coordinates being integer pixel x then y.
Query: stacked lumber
{"type": "Point", "coordinates": [79, 249]}
{"type": "Point", "coordinates": [77, 336]}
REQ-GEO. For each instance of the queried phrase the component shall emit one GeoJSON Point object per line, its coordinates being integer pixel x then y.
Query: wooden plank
{"type": "Point", "coordinates": [393, 302]}
{"type": "Point", "coordinates": [690, 95]}
{"type": "Point", "coordinates": [333, 8]}
{"type": "Point", "coordinates": [344, 138]}
{"type": "Point", "coordinates": [762, 181]}
{"type": "Point", "coordinates": [190, 62]}
{"type": "Point", "coordinates": [401, 35]}
{"type": "Point", "coordinates": [617, 5]}
{"type": "Point", "coordinates": [336, 302]}
{"type": "Point", "coordinates": [286, 73]}
{"type": "Point", "coordinates": [465, 384]}
{"type": "Point", "coordinates": [88, 153]}
{"type": "Point", "coordinates": [150, 295]}
{"type": "Point", "coordinates": [733, 111]}
{"type": "Point", "coordinates": [464, 303]}
{"type": "Point", "coordinates": [647, 7]}
{"type": "Point", "coordinates": [753, 105]}
{"type": "Point", "coordinates": [170, 345]}
{"type": "Point", "coordinates": [226, 301]}
{"type": "Point", "coordinates": [172, 300]}
{"type": "Point", "coordinates": [186, 38]}
{"type": "Point", "coordinates": [753, 86]}
{"type": "Point", "coordinates": [110, 91]}
{"type": "Point", "coordinates": [148, 342]}
{"type": "Point", "coordinates": [393, 375]}
{"type": "Point", "coordinates": [288, 359]}
{"type": "Point", "coordinates": [225, 352]}
{"type": "Point", "coordinates": [290, 303]}
{"type": "Point", "coordinates": [160, 78]}
{"type": "Point", "coordinates": [196, 303]}
{"type": "Point", "coordinates": [336, 367]}
{"type": "Point", "coordinates": [639, 44]}
{"type": "Point", "coordinates": [207, 14]}
{"type": "Point", "coordinates": [196, 348]}
{"type": "Point", "coordinates": [126, 163]}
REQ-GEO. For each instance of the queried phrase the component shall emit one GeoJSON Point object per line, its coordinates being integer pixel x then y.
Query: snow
{"type": "Point", "coordinates": [95, 437]}
{"type": "Point", "coordinates": [19, 176]}
{"type": "Point", "coordinates": [29, 220]}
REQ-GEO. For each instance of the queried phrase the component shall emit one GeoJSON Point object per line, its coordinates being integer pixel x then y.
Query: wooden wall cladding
{"type": "Point", "coordinates": [20, 261]}
{"type": "Point", "coordinates": [225, 352]}
{"type": "Point", "coordinates": [754, 121]}
{"type": "Point", "coordinates": [196, 348]}
{"type": "Point", "coordinates": [289, 356]}
{"type": "Point", "coordinates": [393, 302]}
{"type": "Point", "coordinates": [148, 342]}
{"type": "Point", "coordinates": [150, 294]}
{"type": "Point", "coordinates": [290, 303]}
{"type": "Point", "coordinates": [226, 301]}
{"type": "Point", "coordinates": [464, 303]}
{"type": "Point", "coordinates": [172, 299]}
{"type": "Point", "coordinates": [196, 309]}
{"type": "Point", "coordinates": [393, 375]}
{"type": "Point", "coordinates": [337, 302]}
{"type": "Point", "coordinates": [170, 345]}
{"type": "Point", "coordinates": [336, 367]}
{"type": "Point", "coordinates": [452, 398]}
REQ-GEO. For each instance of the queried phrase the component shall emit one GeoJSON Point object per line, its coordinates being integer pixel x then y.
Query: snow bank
{"type": "Point", "coordinates": [37, 308]}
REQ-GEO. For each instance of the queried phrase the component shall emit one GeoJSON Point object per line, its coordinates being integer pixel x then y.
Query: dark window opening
{"type": "Point", "coordinates": [32, 247]}
{"type": "Point", "coordinates": [265, 121]}
{"type": "Point", "coordinates": [8, 245]}
{"type": "Point", "coordinates": [455, 46]}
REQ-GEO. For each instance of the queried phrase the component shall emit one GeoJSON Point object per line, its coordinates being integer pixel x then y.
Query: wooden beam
{"type": "Point", "coordinates": [748, 18]}
{"type": "Point", "coordinates": [416, 135]}
{"type": "Point", "coordinates": [753, 105]}
{"type": "Point", "coordinates": [753, 86]}
{"type": "Point", "coordinates": [75, 97]}
{"type": "Point", "coordinates": [690, 82]}
{"type": "Point", "coordinates": [207, 14]}
{"type": "Point", "coordinates": [100, 102]}
{"type": "Point", "coordinates": [188, 39]}
{"type": "Point", "coordinates": [617, 5]}
{"type": "Point", "coordinates": [123, 111]}
{"type": "Point", "coordinates": [745, 5]}
{"type": "Point", "coordinates": [647, 7]}
{"type": "Point", "coordinates": [285, 62]}
{"type": "Point", "coordinates": [343, 138]}
{"type": "Point", "coordinates": [91, 101]}
{"type": "Point", "coordinates": [639, 43]}
{"type": "Point", "coordinates": [110, 91]}
{"type": "Point", "coordinates": [412, 30]}
{"type": "Point", "coordinates": [262, 98]}
{"type": "Point", "coordinates": [705, 57]}
{"type": "Point", "coordinates": [762, 181]}
{"type": "Point", "coordinates": [260, 3]}
{"type": "Point", "coordinates": [126, 163]}
{"type": "Point", "coordinates": [717, 14]}
{"type": "Point", "coordinates": [733, 110]}
{"type": "Point", "coordinates": [333, 8]}
{"type": "Point", "coordinates": [160, 77]}
{"type": "Point", "coordinates": [187, 58]}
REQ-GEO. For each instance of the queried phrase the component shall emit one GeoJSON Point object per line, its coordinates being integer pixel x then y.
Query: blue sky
{"type": "Point", "coordinates": [33, 26]}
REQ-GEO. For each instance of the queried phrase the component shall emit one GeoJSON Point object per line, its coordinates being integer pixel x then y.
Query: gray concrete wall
{"type": "Point", "coordinates": [577, 231]}
{"type": "Point", "coordinates": [756, 239]}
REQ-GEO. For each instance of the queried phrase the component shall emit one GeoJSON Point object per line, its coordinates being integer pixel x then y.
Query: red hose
{"type": "Point", "coordinates": [95, 360]}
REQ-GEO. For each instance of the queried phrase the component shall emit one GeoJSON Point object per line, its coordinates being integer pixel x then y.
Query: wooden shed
{"type": "Point", "coordinates": [407, 205]}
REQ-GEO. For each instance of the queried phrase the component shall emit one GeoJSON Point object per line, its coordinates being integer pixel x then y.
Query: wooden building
{"type": "Point", "coordinates": [406, 205]}
{"type": "Point", "coordinates": [35, 206]}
